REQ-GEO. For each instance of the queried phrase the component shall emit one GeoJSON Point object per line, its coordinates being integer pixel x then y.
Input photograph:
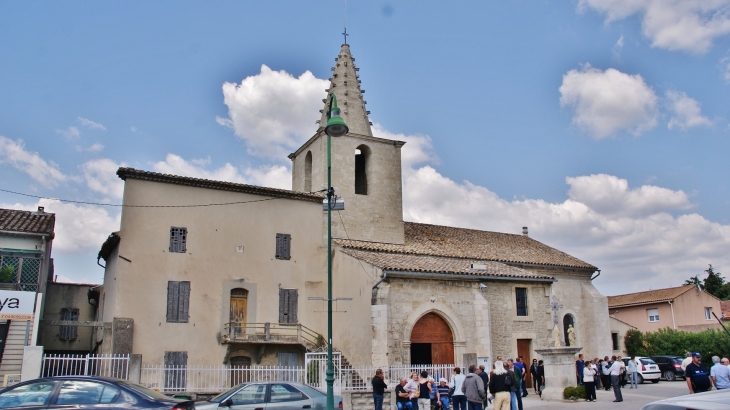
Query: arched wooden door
{"type": "Point", "coordinates": [432, 341]}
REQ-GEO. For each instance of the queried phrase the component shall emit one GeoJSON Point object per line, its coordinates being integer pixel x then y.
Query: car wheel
{"type": "Point", "coordinates": [670, 376]}
{"type": "Point", "coordinates": [655, 381]}
{"type": "Point", "coordinates": [639, 379]}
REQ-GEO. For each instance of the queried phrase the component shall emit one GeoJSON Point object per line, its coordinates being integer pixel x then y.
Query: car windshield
{"type": "Point", "coordinates": [153, 394]}
{"type": "Point", "coordinates": [310, 391]}
{"type": "Point", "coordinates": [219, 398]}
{"type": "Point", "coordinates": [677, 361]}
{"type": "Point", "coordinates": [647, 361]}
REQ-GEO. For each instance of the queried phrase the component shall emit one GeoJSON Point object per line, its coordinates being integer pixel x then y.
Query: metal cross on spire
{"type": "Point", "coordinates": [345, 34]}
{"type": "Point", "coordinates": [555, 306]}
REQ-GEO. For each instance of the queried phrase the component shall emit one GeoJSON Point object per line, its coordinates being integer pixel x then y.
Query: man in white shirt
{"type": "Point", "coordinates": [686, 361]}
{"type": "Point", "coordinates": [615, 371]}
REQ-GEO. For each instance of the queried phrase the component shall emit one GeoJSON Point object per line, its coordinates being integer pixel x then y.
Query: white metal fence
{"type": "Point", "coordinates": [116, 366]}
{"type": "Point", "coordinates": [216, 379]}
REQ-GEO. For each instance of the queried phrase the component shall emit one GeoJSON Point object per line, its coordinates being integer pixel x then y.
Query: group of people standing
{"type": "Point", "coordinates": [605, 373]}
{"type": "Point", "coordinates": [504, 385]}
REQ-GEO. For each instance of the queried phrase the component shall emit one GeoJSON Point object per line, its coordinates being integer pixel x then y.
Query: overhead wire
{"type": "Point", "coordinates": [348, 237]}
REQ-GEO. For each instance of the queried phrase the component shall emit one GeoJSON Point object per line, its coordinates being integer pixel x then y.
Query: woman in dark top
{"type": "Point", "coordinates": [540, 376]}
{"type": "Point", "coordinates": [424, 388]}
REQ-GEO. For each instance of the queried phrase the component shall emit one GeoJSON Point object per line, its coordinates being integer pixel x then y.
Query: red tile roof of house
{"type": "Point", "coordinates": [649, 296]}
{"type": "Point", "coordinates": [12, 220]}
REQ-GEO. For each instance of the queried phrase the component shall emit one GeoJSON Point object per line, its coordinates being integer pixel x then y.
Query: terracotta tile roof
{"type": "Point", "coordinates": [132, 173]}
{"type": "Point", "coordinates": [26, 221]}
{"type": "Point", "coordinates": [436, 240]}
{"type": "Point", "coordinates": [649, 296]}
{"type": "Point", "coordinates": [725, 309]}
{"type": "Point", "coordinates": [438, 264]}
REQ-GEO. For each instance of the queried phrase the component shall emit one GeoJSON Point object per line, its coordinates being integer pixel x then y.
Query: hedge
{"type": "Point", "coordinates": [712, 342]}
{"type": "Point", "coordinates": [574, 393]}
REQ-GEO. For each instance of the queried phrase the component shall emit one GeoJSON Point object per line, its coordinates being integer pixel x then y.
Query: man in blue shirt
{"type": "Point", "coordinates": [698, 378]}
{"type": "Point", "coordinates": [579, 365]}
{"type": "Point", "coordinates": [719, 374]}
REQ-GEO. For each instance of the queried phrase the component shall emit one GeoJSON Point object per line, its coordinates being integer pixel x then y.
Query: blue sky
{"type": "Point", "coordinates": [602, 125]}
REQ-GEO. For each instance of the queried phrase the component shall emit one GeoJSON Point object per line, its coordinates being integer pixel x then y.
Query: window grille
{"type": "Point", "coordinates": [653, 315]}
{"type": "Point", "coordinates": [26, 271]}
{"type": "Point", "coordinates": [178, 239]}
{"type": "Point", "coordinates": [178, 302]}
{"type": "Point", "coordinates": [521, 299]}
{"type": "Point", "coordinates": [69, 332]}
{"type": "Point", "coordinates": [283, 246]}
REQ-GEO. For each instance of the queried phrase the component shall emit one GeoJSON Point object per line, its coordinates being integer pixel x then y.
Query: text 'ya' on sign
{"type": "Point", "coordinates": [16, 305]}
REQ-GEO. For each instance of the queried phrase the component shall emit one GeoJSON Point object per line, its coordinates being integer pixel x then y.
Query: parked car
{"type": "Point", "coordinates": [670, 366]}
{"type": "Point", "coordinates": [99, 393]}
{"type": "Point", "coordinates": [648, 369]}
{"type": "Point", "coordinates": [269, 395]}
{"type": "Point", "coordinates": [711, 400]}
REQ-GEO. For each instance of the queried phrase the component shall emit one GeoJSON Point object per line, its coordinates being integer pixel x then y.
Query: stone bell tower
{"type": "Point", "coordinates": [366, 171]}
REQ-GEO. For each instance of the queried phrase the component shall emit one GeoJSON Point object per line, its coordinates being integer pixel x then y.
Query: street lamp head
{"type": "Point", "coordinates": [336, 126]}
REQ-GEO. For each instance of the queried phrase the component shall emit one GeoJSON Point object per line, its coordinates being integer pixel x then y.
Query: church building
{"type": "Point", "coordinates": [231, 283]}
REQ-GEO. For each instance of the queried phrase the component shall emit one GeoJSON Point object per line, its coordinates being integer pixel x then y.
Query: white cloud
{"type": "Point", "coordinates": [686, 25]}
{"type": "Point", "coordinates": [686, 112]}
{"type": "Point", "coordinates": [273, 111]}
{"type": "Point", "coordinates": [70, 133]}
{"type": "Point", "coordinates": [91, 124]}
{"type": "Point", "coordinates": [95, 147]}
{"type": "Point", "coordinates": [133, 128]}
{"type": "Point", "coordinates": [418, 148]}
{"type": "Point", "coordinates": [78, 227]}
{"type": "Point", "coordinates": [618, 47]}
{"type": "Point", "coordinates": [725, 62]}
{"type": "Point", "coordinates": [14, 154]}
{"type": "Point", "coordinates": [101, 176]}
{"type": "Point", "coordinates": [274, 176]}
{"type": "Point", "coordinates": [606, 102]}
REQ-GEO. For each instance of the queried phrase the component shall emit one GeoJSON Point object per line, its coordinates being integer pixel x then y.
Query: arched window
{"type": "Point", "coordinates": [362, 157]}
{"type": "Point", "coordinates": [308, 172]}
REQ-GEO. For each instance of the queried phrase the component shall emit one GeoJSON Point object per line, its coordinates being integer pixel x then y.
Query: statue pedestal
{"type": "Point", "coordinates": [559, 365]}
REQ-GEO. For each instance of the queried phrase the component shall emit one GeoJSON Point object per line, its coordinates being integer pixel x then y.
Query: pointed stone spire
{"type": "Point", "coordinates": [345, 84]}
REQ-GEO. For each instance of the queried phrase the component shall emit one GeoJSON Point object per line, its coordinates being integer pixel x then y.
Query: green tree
{"type": "Point", "coordinates": [634, 342]}
{"type": "Point", "coordinates": [714, 282]}
{"type": "Point", "coordinates": [7, 274]}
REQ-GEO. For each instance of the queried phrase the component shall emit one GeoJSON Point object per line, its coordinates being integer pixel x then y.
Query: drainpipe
{"type": "Point", "coordinates": [671, 307]}
{"type": "Point", "coordinates": [597, 274]}
{"type": "Point", "coordinates": [375, 288]}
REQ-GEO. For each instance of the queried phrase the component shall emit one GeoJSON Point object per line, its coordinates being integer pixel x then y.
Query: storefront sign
{"type": "Point", "coordinates": [16, 305]}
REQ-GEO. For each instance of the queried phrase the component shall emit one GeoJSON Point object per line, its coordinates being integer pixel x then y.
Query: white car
{"type": "Point", "coordinates": [711, 400]}
{"type": "Point", "coordinates": [648, 370]}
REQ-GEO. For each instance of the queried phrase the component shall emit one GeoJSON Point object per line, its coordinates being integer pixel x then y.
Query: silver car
{"type": "Point", "coordinates": [711, 400]}
{"type": "Point", "coordinates": [269, 396]}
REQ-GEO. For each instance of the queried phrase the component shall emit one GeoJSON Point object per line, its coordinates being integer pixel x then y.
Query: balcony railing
{"type": "Point", "coordinates": [277, 333]}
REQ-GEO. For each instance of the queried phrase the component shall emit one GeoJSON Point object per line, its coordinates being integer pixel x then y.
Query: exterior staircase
{"type": "Point", "coordinates": [12, 359]}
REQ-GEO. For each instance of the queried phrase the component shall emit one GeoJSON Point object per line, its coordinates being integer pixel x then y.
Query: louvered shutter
{"type": "Point", "coordinates": [293, 303]}
{"type": "Point", "coordinates": [278, 245]}
{"type": "Point", "coordinates": [178, 239]}
{"type": "Point", "coordinates": [173, 292]}
{"type": "Point", "coordinates": [288, 305]}
{"type": "Point", "coordinates": [183, 302]}
{"type": "Point", "coordinates": [283, 246]}
{"type": "Point", "coordinates": [176, 370]}
{"type": "Point", "coordinates": [283, 305]}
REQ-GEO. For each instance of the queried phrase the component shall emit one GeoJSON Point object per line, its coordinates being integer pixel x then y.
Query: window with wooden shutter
{"type": "Point", "coordinates": [176, 370]}
{"type": "Point", "coordinates": [69, 332]}
{"type": "Point", "coordinates": [178, 302]}
{"type": "Point", "coordinates": [283, 246]}
{"type": "Point", "coordinates": [178, 239]}
{"type": "Point", "coordinates": [288, 303]}
{"type": "Point", "coordinates": [521, 301]}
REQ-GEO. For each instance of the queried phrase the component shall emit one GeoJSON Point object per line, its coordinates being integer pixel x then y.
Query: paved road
{"type": "Point", "coordinates": [633, 398]}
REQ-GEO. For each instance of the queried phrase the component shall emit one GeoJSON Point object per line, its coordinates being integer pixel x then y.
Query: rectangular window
{"type": "Point", "coordinates": [178, 301]}
{"type": "Point", "coordinates": [653, 315]}
{"type": "Point", "coordinates": [178, 239]}
{"type": "Point", "coordinates": [283, 246]}
{"type": "Point", "coordinates": [69, 332]}
{"type": "Point", "coordinates": [521, 296]}
{"type": "Point", "coordinates": [176, 371]}
{"type": "Point", "coordinates": [708, 313]}
{"type": "Point", "coordinates": [288, 300]}
{"type": "Point", "coordinates": [614, 340]}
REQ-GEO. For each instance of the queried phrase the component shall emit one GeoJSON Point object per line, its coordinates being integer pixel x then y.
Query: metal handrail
{"type": "Point", "coordinates": [240, 330]}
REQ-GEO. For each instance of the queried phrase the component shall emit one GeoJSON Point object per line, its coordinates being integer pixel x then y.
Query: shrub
{"type": "Point", "coordinates": [634, 342]}
{"type": "Point", "coordinates": [574, 393]}
{"type": "Point", "coordinates": [7, 274]}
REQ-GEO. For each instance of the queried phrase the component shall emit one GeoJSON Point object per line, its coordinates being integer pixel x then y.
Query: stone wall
{"type": "Point", "coordinates": [363, 400]}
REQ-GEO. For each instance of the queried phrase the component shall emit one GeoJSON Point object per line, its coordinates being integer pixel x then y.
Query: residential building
{"type": "Point", "coordinates": [618, 333]}
{"type": "Point", "coordinates": [70, 302]}
{"type": "Point", "coordinates": [685, 307]}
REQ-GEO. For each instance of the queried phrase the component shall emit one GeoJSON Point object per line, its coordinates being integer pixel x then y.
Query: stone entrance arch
{"type": "Point", "coordinates": [432, 341]}
{"type": "Point", "coordinates": [446, 323]}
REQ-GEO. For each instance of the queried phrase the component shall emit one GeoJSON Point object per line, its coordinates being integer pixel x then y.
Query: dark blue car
{"type": "Point", "coordinates": [79, 392]}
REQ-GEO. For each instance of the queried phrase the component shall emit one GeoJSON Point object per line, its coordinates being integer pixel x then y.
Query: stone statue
{"type": "Point", "coordinates": [556, 336]}
{"type": "Point", "coordinates": [571, 335]}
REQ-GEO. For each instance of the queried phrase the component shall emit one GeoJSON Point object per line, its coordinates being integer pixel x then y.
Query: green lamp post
{"type": "Point", "coordinates": [335, 127]}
